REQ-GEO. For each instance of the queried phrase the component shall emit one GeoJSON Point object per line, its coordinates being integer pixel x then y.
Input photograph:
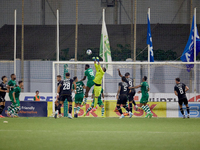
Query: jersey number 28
{"type": "Point", "coordinates": [66, 86]}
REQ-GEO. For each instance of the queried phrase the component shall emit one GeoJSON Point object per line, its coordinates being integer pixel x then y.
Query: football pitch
{"type": "Point", "coordinates": [100, 134]}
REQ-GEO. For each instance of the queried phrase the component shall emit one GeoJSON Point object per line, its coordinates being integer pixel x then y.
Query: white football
{"type": "Point", "coordinates": [89, 52]}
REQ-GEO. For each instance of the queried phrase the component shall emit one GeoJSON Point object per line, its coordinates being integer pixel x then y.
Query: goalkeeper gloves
{"type": "Point", "coordinates": [97, 58]}
{"type": "Point", "coordinates": [93, 58]}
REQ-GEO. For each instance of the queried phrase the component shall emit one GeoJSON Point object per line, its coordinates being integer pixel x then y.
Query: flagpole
{"type": "Point", "coordinates": [15, 43]}
{"type": "Point", "coordinates": [195, 71]}
{"type": "Point", "coordinates": [57, 42]}
{"type": "Point", "coordinates": [103, 21]}
{"type": "Point", "coordinates": [149, 53]}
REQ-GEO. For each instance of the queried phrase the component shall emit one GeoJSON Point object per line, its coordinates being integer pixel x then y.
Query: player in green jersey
{"type": "Point", "coordinates": [90, 76]}
{"type": "Point", "coordinates": [100, 103]}
{"type": "Point", "coordinates": [16, 100]}
{"type": "Point", "coordinates": [12, 84]}
{"type": "Point", "coordinates": [145, 96]}
{"type": "Point", "coordinates": [78, 96]}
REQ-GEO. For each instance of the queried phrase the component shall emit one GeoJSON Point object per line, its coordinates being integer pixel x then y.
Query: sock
{"type": "Point", "coordinates": [126, 105]}
{"type": "Point", "coordinates": [1, 109]}
{"type": "Point", "coordinates": [102, 111]}
{"type": "Point", "coordinates": [10, 107]}
{"type": "Point", "coordinates": [148, 109]}
{"type": "Point", "coordinates": [131, 105]}
{"type": "Point", "coordinates": [95, 102]}
{"type": "Point", "coordinates": [56, 107]}
{"type": "Point", "coordinates": [134, 103]}
{"type": "Point", "coordinates": [90, 108]}
{"type": "Point", "coordinates": [59, 110]}
{"type": "Point", "coordinates": [188, 110]}
{"type": "Point", "coordinates": [16, 110]}
{"type": "Point", "coordinates": [74, 110]}
{"type": "Point", "coordinates": [181, 109]}
{"type": "Point", "coordinates": [127, 110]}
{"type": "Point", "coordinates": [70, 109]}
{"type": "Point", "coordinates": [144, 108]}
{"type": "Point", "coordinates": [119, 109]}
{"type": "Point", "coordinates": [77, 110]}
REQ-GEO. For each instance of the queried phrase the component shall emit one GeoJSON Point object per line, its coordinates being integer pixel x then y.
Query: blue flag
{"type": "Point", "coordinates": [188, 53]}
{"type": "Point", "coordinates": [149, 40]}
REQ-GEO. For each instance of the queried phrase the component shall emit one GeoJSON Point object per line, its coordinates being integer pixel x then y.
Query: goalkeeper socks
{"type": "Point", "coordinates": [74, 110]}
{"type": "Point", "coordinates": [188, 110]}
{"type": "Point", "coordinates": [70, 109]}
{"type": "Point", "coordinates": [95, 102]}
{"type": "Point", "coordinates": [119, 109]}
{"type": "Point", "coordinates": [131, 105]}
{"type": "Point", "coordinates": [181, 109]}
{"type": "Point", "coordinates": [102, 111]}
{"type": "Point", "coordinates": [90, 108]}
{"type": "Point", "coordinates": [1, 109]}
{"type": "Point", "coordinates": [77, 109]}
{"type": "Point", "coordinates": [127, 110]}
{"type": "Point", "coordinates": [148, 109]}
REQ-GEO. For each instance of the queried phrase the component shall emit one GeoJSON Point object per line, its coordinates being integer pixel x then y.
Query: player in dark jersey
{"type": "Point", "coordinates": [59, 80]}
{"type": "Point", "coordinates": [3, 90]}
{"type": "Point", "coordinates": [180, 90]}
{"type": "Point", "coordinates": [122, 94]}
{"type": "Point", "coordinates": [131, 92]}
{"type": "Point", "coordinates": [66, 86]}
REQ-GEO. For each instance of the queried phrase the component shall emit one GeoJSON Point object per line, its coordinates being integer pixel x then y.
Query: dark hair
{"type": "Point", "coordinates": [87, 65]}
{"type": "Point", "coordinates": [3, 77]}
{"type": "Point", "coordinates": [59, 76]}
{"type": "Point", "coordinates": [36, 91]}
{"type": "Point", "coordinates": [127, 74]}
{"type": "Point", "coordinates": [104, 69]}
{"type": "Point", "coordinates": [20, 82]}
{"type": "Point", "coordinates": [178, 79]}
{"type": "Point", "coordinates": [145, 78]}
{"type": "Point", "coordinates": [75, 78]}
{"type": "Point", "coordinates": [67, 74]}
{"type": "Point", "coordinates": [12, 75]}
{"type": "Point", "coordinates": [124, 78]}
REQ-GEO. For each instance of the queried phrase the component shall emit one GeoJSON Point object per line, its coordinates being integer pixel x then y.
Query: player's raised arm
{"type": "Point", "coordinates": [83, 78]}
{"type": "Point", "coordinates": [119, 73]}
{"type": "Point", "coordinates": [135, 87]}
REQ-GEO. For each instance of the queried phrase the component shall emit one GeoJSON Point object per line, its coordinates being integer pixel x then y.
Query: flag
{"type": "Point", "coordinates": [105, 47]}
{"type": "Point", "coordinates": [149, 40]}
{"type": "Point", "coordinates": [188, 53]}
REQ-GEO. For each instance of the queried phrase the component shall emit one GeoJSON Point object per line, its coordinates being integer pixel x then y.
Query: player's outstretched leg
{"type": "Point", "coordinates": [146, 108]}
{"type": "Point", "coordinates": [90, 108]}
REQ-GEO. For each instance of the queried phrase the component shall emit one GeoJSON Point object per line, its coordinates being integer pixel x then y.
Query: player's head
{"type": "Point", "coordinates": [59, 78]}
{"type": "Point", "coordinates": [13, 76]}
{"type": "Point", "coordinates": [177, 80]}
{"type": "Point", "coordinates": [37, 92]}
{"type": "Point", "coordinates": [87, 66]}
{"type": "Point", "coordinates": [21, 83]}
{"type": "Point", "coordinates": [127, 75]}
{"type": "Point", "coordinates": [4, 78]}
{"type": "Point", "coordinates": [104, 69]}
{"type": "Point", "coordinates": [75, 79]}
{"type": "Point", "coordinates": [123, 79]}
{"type": "Point", "coordinates": [144, 78]}
{"type": "Point", "coordinates": [67, 75]}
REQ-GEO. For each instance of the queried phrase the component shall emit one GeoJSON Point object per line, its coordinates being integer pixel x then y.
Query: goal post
{"type": "Point", "coordinates": [162, 76]}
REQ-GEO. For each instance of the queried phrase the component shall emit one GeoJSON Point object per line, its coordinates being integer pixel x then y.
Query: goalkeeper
{"type": "Point", "coordinates": [100, 71]}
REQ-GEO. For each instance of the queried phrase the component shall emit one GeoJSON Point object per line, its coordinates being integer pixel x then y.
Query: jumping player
{"type": "Point", "coordinates": [90, 76]}
{"type": "Point", "coordinates": [100, 71]}
{"type": "Point", "coordinates": [66, 86]}
{"type": "Point", "coordinates": [79, 95]}
{"type": "Point", "coordinates": [59, 80]}
{"type": "Point", "coordinates": [122, 94]}
{"type": "Point", "coordinates": [100, 103]}
{"type": "Point", "coordinates": [180, 90]}
{"type": "Point", "coordinates": [145, 96]}
{"type": "Point", "coordinates": [16, 100]}
{"type": "Point", "coordinates": [3, 90]}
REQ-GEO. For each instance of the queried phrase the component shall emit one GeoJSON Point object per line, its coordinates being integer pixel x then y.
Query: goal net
{"type": "Point", "coordinates": [161, 78]}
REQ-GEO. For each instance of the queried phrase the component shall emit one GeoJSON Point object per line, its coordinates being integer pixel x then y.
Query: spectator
{"type": "Point", "coordinates": [37, 97]}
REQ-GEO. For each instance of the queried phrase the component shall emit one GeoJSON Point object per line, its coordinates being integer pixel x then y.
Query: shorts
{"type": "Point", "coordinates": [100, 103]}
{"type": "Point", "coordinates": [2, 99]}
{"type": "Point", "coordinates": [122, 99]}
{"type": "Point", "coordinates": [131, 96]}
{"type": "Point", "coordinates": [17, 104]}
{"type": "Point", "coordinates": [79, 98]}
{"type": "Point", "coordinates": [64, 97]}
{"type": "Point", "coordinates": [90, 83]}
{"type": "Point", "coordinates": [97, 91]}
{"type": "Point", "coordinates": [144, 99]}
{"type": "Point", "coordinates": [183, 100]}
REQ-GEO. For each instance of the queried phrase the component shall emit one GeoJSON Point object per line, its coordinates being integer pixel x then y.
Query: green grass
{"type": "Point", "coordinates": [100, 134]}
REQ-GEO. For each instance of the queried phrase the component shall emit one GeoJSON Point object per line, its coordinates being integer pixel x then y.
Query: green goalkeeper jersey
{"type": "Point", "coordinates": [89, 74]}
{"type": "Point", "coordinates": [144, 88]}
{"type": "Point", "coordinates": [12, 83]}
{"type": "Point", "coordinates": [79, 87]}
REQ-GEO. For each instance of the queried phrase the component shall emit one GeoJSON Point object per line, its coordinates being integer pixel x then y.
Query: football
{"type": "Point", "coordinates": [89, 52]}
